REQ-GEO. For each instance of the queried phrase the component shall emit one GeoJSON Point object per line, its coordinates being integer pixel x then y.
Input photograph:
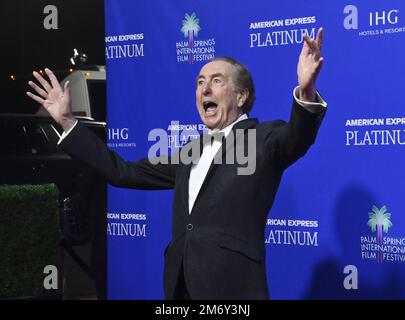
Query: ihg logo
{"type": "Point", "coordinates": [376, 18]}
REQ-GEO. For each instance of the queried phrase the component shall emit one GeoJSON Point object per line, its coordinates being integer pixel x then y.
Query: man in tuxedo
{"type": "Point", "coordinates": [219, 215]}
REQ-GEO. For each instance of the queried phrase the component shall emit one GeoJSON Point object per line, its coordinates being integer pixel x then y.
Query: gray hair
{"type": "Point", "coordinates": [243, 80]}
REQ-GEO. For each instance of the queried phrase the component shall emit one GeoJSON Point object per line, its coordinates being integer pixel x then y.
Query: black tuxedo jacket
{"type": "Point", "coordinates": [221, 243]}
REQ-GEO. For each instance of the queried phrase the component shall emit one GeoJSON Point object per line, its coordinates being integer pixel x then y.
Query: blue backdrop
{"type": "Point", "coordinates": [338, 206]}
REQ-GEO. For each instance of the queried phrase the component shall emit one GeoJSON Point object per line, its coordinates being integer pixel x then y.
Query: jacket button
{"type": "Point", "coordinates": [190, 227]}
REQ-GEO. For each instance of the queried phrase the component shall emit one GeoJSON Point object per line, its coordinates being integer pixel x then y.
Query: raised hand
{"type": "Point", "coordinates": [53, 98]}
{"type": "Point", "coordinates": [309, 65]}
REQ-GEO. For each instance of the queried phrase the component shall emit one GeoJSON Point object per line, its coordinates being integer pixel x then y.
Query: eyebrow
{"type": "Point", "coordinates": [211, 76]}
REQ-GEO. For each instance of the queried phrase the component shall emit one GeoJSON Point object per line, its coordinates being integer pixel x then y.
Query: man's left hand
{"type": "Point", "coordinates": [309, 65]}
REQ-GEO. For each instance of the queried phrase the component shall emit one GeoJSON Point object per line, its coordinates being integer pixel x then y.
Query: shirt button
{"type": "Point", "coordinates": [190, 227]}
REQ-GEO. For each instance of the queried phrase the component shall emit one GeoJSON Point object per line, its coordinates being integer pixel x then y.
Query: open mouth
{"type": "Point", "coordinates": [210, 107]}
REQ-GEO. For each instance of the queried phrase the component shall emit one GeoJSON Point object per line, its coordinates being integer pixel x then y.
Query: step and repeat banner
{"type": "Point", "coordinates": [337, 227]}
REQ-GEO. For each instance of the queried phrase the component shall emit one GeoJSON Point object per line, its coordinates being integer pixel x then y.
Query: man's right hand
{"type": "Point", "coordinates": [54, 98]}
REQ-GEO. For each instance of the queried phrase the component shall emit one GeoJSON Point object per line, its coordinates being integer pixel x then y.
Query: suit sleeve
{"type": "Point", "coordinates": [291, 140]}
{"type": "Point", "coordinates": [85, 146]}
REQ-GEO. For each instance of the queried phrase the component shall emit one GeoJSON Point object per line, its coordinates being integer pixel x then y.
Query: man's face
{"type": "Point", "coordinates": [219, 102]}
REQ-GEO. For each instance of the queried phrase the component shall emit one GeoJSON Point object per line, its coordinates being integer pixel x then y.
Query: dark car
{"type": "Point", "coordinates": [29, 155]}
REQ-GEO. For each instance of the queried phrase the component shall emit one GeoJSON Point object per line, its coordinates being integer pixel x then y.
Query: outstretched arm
{"type": "Point", "coordinates": [295, 137]}
{"type": "Point", "coordinates": [309, 65]}
{"type": "Point", "coordinates": [83, 145]}
{"type": "Point", "coordinates": [54, 98]}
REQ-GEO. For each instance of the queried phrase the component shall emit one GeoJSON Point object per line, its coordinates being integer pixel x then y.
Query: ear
{"type": "Point", "coordinates": [242, 97]}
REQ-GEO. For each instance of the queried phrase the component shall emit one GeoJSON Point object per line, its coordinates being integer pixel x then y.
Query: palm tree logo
{"type": "Point", "coordinates": [379, 219]}
{"type": "Point", "coordinates": [190, 29]}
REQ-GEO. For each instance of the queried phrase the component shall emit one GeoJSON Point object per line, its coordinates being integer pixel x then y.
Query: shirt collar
{"type": "Point", "coordinates": [228, 128]}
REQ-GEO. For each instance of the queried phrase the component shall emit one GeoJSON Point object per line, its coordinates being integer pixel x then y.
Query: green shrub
{"type": "Point", "coordinates": [29, 235]}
